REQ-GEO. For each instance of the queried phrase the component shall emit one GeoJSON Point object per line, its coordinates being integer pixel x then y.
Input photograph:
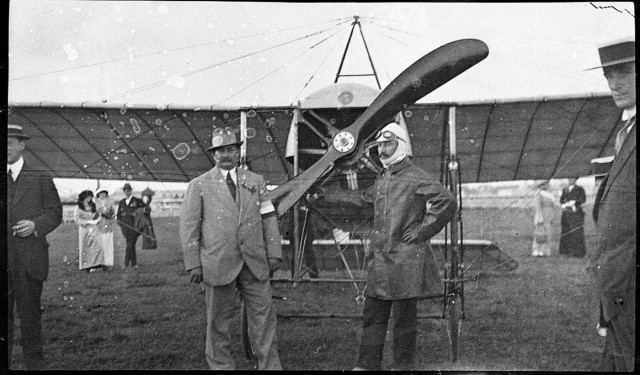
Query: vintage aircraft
{"type": "Point", "coordinates": [328, 137]}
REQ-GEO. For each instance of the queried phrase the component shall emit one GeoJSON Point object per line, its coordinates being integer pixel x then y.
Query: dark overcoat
{"type": "Point", "coordinates": [34, 198]}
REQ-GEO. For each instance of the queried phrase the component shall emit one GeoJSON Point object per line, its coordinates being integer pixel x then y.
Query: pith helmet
{"type": "Point", "coordinates": [223, 137]}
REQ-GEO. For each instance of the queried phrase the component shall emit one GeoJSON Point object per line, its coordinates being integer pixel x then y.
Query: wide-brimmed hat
{"type": "Point", "coordinates": [16, 132]}
{"type": "Point", "coordinates": [618, 51]}
{"type": "Point", "coordinates": [126, 187]}
{"type": "Point", "coordinates": [223, 137]}
{"type": "Point", "coordinates": [148, 192]}
{"type": "Point", "coordinates": [101, 190]}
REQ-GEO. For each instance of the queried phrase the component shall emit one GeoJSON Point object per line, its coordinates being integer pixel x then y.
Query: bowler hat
{"type": "Point", "coordinates": [16, 132]}
{"type": "Point", "coordinates": [616, 52]}
{"type": "Point", "coordinates": [126, 187]}
{"type": "Point", "coordinates": [223, 137]}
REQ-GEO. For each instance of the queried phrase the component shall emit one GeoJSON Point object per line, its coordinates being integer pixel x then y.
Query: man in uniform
{"type": "Point", "coordinates": [410, 207]}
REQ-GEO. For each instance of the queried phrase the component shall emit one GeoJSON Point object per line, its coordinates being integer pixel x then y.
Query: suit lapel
{"type": "Point", "coordinates": [621, 159]}
{"type": "Point", "coordinates": [20, 186]}
{"type": "Point", "coordinates": [243, 192]}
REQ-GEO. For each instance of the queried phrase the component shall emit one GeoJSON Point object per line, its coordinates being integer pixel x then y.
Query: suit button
{"type": "Point", "coordinates": [619, 301]}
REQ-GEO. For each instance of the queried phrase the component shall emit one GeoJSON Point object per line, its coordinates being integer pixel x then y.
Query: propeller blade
{"type": "Point", "coordinates": [287, 194]}
{"type": "Point", "coordinates": [422, 77]}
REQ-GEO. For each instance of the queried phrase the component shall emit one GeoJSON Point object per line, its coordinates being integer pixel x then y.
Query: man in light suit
{"type": "Point", "coordinates": [614, 261]}
{"type": "Point", "coordinates": [33, 211]}
{"type": "Point", "coordinates": [126, 220]}
{"type": "Point", "coordinates": [230, 239]}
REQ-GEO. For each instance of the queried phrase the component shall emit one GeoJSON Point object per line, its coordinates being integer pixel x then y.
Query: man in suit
{"type": "Point", "coordinates": [614, 261]}
{"type": "Point", "coordinates": [231, 241]}
{"type": "Point", "coordinates": [33, 211]}
{"type": "Point", "coordinates": [126, 219]}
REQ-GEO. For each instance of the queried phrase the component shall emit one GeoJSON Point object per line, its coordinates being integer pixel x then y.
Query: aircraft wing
{"type": "Point", "coordinates": [523, 139]}
{"type": "Point", "coordinates": [538, 138]}
{"type": "Point", "coordinates": [146, 142]}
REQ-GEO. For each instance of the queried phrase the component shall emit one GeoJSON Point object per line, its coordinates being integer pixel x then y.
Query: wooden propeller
{"type": "Point", "coordinates": [422, 77]}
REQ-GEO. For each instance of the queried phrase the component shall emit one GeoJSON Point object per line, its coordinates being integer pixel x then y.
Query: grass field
{"type": "Point", "coordinates": [538, 317]}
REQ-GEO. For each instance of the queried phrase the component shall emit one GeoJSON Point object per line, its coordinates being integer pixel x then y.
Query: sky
{"type": "Point", "coordinates": [270, 54]}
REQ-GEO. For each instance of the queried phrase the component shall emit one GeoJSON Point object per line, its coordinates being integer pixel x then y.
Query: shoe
{"type": "Point", "coordinates": [135, 267]}
{"type": "Point", "coordinates": [123, 267]}
{"type": "Point", "coordinates": [602, 331]}
{"type": "Point", "coordinates": [357, 368]}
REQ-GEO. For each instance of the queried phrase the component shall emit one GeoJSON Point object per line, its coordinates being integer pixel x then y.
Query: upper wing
{"type": "Point", "coordinates": [148, 143]}
{"type": "Point", "coordinates": [522, 139]}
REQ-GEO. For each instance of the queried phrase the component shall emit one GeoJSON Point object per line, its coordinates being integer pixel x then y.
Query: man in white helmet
{"type": "Point", "coordinates": [410, 207]}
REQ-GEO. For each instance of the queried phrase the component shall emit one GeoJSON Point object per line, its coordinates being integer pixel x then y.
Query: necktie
{"type": "Point", "coordinates": [231, 185]}
{"type": "Point", "coordinates": [622, 134]}
{"type": "Point", "coordinates": [9, 182]}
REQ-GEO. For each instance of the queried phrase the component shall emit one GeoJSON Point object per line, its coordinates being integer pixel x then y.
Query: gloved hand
{"type": "Point", "coordinates": [410, 236]}
{"type": "Point", "coordinates": [196, 275]}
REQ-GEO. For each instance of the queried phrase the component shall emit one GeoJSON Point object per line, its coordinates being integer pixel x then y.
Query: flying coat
{"type": "Point", "coordinates": [405, 198]}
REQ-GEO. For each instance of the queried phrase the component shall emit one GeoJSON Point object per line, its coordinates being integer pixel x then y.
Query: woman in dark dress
{"type": "Point", "coordinates": [143, 223]}
{"type": "Point", "coordinates": [572, 236]}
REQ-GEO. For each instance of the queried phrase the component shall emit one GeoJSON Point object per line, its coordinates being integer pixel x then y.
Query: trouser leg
{"type": "Point", "coordinates": [130, 251]}
{"type": "Point", "coordinates": [10, 307]}
{"type": "Point", "coordinates": [26, 292]}
{"type": "Point", "coordinates": [261, 318]}
{"type": "Point", "coordinates": [220, 301]}
{"type": "Point", "coordinates": [132, 257]}
{"type": "Point", "coordinates": [374, 330]}
{"type": "Point", "coordinates": [405, 314]}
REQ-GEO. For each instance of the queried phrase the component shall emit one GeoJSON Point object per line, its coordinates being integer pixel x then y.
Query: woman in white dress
{"type": "Point", "coordinates": [106, 217]}
{"type": "Point", "coordinates": [90, 254]}
{"type": "Point", "coordinates": [544, 221]}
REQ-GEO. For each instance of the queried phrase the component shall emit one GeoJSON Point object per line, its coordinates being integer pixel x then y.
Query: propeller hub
{"type": "Point", "coordinates": [344, 141]}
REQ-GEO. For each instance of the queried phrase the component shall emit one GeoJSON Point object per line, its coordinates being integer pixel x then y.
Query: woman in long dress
{"type": "Point", "coordinates": [544, 219]}
{"type": "Point", "coordinates": [572, 235]}
{"type": "Point", "coordinates": [106, 212]}
{"type": "Point", "coordinates": [90, 254]}
{"type": "Point", "coordinates": [142, 221]}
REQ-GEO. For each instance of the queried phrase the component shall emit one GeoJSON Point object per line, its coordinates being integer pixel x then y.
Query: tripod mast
{"type": "Point", "coordinates": [356, 21]}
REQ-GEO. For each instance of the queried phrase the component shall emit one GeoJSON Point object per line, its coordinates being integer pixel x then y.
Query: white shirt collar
{"type": "Point", "coordinates": [628, 113]}
{"type": "Point", "coordinates": [16, 168]}
{"type": "Point", "coordinates": [234, 175]}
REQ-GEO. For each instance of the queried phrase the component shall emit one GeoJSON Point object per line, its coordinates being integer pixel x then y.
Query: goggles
{"type": "Point", "coordinates": [387, 135]}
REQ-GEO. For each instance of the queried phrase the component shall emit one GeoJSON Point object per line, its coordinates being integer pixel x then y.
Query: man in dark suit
{"type": "Point", "coordinates": [126, 219]}
{"type": "Point", "coordinates": [33, 211]}
{"type": "Point", "coordinates": [614, 261]}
